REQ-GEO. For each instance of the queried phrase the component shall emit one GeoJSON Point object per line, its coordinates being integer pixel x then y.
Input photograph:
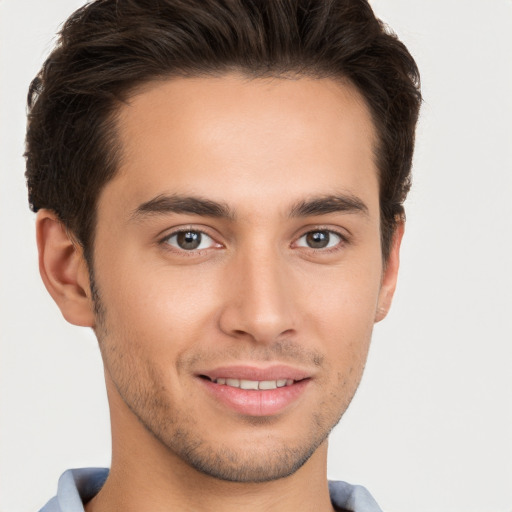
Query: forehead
{"type": "Point", "coordinates": [237, 139]}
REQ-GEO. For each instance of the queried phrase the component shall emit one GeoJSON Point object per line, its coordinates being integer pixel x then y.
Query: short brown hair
{"type": "Point", "coordinates": [109, 47]}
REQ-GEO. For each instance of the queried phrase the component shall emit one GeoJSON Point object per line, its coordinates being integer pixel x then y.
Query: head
{"type": "Point", "coordinates": [136, 101]}
{"type": "Point", "coordinates": [108, 49]}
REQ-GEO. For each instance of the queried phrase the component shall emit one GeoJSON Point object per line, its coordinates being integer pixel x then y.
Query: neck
{"type": "Point", "coordinates": [146, 477]}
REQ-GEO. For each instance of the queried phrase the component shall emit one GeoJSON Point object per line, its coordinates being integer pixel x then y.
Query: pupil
{"type": "Point", "coordinates": [189, 239]}
{"type": "Point", "coordinates": [317, 239]}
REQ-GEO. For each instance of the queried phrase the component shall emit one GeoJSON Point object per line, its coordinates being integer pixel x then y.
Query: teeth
{"type": "Point", "coordinates": [267, 384]}
{"type": "Point", "coordinates": [248, 384]}
{"type": "Point", "coordinates": [255, 384]}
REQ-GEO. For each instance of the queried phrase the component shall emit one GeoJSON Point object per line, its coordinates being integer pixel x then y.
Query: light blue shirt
{"type": "Point", "coordinates": [78, 486]}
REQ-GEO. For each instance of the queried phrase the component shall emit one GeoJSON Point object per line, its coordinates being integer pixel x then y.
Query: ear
{"type": "Point", "coordinates": [390, 274]}
{"type": "Point", "coordinates": [64, 270]}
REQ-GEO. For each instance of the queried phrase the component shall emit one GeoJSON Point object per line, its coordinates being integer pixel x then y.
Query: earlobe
{"type": "Point", "coordinates": [390, 275]}
{"type": "Point", "coordinates": [63, 269]}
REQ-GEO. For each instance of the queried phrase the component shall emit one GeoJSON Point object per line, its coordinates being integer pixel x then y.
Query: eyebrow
{"type": "Point", "coordinates": [344, 203]}
{"type": "Point", "coordinates": [163, 204]}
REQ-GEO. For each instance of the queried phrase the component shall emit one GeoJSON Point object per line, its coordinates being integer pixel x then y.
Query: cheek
{"type": "Point", "coordinates": [342, 313]}
{"type": "Point", "coordinates": [344, 300]}
{"type": "Point", "coordinates": [159, 309]}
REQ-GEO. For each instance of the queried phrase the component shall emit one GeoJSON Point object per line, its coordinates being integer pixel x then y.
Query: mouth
{"type": "Point", "coordinates": [255, 392]}
{"type": "Point", "coordinates": [252, 384]}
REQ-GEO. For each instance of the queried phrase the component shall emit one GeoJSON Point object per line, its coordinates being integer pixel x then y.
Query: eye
{"type": "Point", "coordinates": [320, 239]}
{"type": "Point", "coordinates": [190, 240]}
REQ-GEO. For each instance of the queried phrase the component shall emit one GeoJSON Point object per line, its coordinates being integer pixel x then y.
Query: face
{"type": "Point", "coordinates": [237, 268]}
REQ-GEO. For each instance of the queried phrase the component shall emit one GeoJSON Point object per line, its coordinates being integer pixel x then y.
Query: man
{"type": "Point", "coordinates": [219, 189]}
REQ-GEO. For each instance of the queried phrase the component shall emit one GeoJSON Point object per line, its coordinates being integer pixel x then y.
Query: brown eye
{"type": "Point", "coordinates": [320, 239]}
{"type": "Point", "coordinates": [190, 240]}
{"type": "Point", "coordinates": [317, 239]}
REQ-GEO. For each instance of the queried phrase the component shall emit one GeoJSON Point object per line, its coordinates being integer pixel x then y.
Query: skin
{"type": "Point", "coordinates": [255, 293]}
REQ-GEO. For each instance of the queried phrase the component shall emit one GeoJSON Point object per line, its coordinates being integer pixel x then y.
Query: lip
{"type": "Point", "coordinates": [256, 402]}
{"type": "Point", "coordinates": [250, 372]}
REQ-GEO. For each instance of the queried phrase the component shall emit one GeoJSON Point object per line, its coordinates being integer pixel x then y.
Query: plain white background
{"type": "Point", "coordinates": [431, 426]}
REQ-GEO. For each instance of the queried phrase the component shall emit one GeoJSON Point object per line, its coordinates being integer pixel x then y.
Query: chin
{"type": "Point", "coordinates": [246, 464]}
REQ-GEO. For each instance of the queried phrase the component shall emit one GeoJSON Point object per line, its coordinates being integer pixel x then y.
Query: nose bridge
{"type": "Point", "coordinates": [259, 303]}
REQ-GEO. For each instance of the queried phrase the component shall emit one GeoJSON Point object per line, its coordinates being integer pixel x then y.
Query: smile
{"type": "Point", "coordinates": [254, 384]}
{"type": "Point", "coordinates": [253, 391]}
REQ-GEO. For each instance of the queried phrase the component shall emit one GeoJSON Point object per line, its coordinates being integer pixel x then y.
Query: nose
{"type": "Point", "coordinates": [258, 302]}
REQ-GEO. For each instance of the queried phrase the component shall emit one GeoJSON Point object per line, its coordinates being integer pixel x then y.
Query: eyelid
{"type": "Point", "coordinates": [164, 240]}
{"type": "Point", "coordinates": [344, 238]}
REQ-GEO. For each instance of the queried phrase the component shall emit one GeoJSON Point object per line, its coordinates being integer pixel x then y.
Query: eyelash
{"type": "Point", "coordinates": [192, 252]}
{"type": "Point", "coordinates": [343, 241]}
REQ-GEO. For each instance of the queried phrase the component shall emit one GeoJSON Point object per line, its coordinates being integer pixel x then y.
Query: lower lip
{"type": "Point", "coordinates": [253, 402]}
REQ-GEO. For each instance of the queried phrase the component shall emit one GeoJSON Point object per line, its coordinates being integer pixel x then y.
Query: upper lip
{"type": "Point", "coordinates": [249, 372]}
